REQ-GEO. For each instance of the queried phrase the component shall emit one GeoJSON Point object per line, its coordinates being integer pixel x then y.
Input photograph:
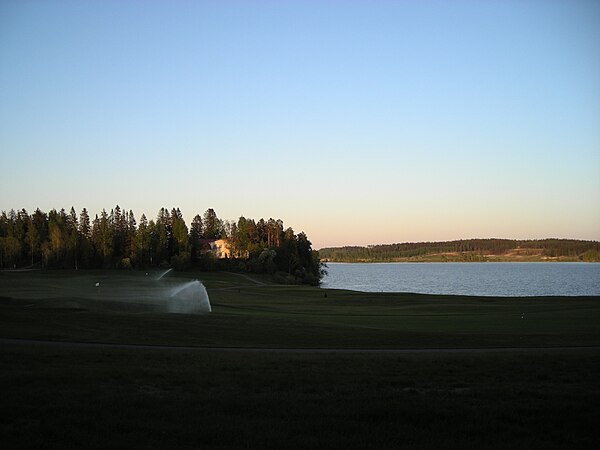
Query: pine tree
{"type": "Point", "coordinates": [85, 235]}
{"type": "Point", "coordinates": [33, 238]}
{"type": "Point", "coordinates": [196, 230]}
{"type": "Point", "coordinates": [212, 225]}
{"type": "Point", "coordinates": [105, 229]}
{"type": "Point", "coordinates": [180, 234]}
{"type": "Point", "coordinates": [130, 234]}
{"type": "Point", "coordinates": [163, 236]}
{"type": "Point", "coordinates": [72, 238]}
{"type": "Point", "coordinates": [153, 245]}
{"type": "Point", "coordinates": [84, 224]}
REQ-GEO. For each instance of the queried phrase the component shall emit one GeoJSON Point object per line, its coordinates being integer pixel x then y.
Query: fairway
{"type": "Point", "coordinates": [157, 388]}
{"type": "Point", "coordinates": [251, 312]}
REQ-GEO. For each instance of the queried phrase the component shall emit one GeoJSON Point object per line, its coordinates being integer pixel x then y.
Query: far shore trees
{"type": "Point", "coordinates": [468, 250]}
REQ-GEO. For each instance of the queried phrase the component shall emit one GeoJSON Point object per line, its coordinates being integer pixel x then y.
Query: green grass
{"type": "Point", "coordinates": [66, 306]}
{"type": "Point", "coordinates": [101, 397]}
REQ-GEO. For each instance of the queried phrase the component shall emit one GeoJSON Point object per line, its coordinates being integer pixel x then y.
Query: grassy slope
{"type": "Point", "coordinates": [99, 397]}
{"type": "Point", "coordinates": [246, 314]}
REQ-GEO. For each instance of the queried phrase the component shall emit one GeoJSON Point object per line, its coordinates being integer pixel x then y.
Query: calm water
{"type": "Point", "coordinates": [503, 279]}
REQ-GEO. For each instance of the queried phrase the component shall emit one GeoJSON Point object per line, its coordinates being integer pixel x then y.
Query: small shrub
{"type": "Point", "coordinates": [182, 261]}
{"type": "Point", "coordinates": [284, 278]}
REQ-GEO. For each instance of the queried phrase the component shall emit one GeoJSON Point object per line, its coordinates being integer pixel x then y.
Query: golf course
{"type": "Point", "coordinates": [99, 359]}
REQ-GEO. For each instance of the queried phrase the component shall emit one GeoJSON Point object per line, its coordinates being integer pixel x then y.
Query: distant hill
{"type": "Point", "coordinates": [468, 250]}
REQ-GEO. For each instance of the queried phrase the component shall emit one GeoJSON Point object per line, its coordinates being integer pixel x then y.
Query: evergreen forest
{"type": "Point", "coordinates": [115, 239]}
{"type": "Point", "coordinates": [469, 250]}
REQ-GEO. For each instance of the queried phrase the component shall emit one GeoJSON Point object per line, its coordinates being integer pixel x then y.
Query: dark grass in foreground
{"type": "Point", "coordinates": [116, 398]}
{"type": "Point", "coordinates": [61, 397]}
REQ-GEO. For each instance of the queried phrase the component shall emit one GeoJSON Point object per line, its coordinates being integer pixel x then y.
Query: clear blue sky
{"type": "Point", "coordinates": [358, 122]}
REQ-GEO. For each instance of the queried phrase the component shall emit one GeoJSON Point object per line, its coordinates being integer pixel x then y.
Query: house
{"type": "Point", "coordinates": [221, 248]}
{"type": "Point", "coordinates": [218, 247]}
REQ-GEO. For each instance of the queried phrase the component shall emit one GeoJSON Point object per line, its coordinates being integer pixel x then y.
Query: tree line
{"type": "Point", "coordinates": [115, 239]}
{"type": "Point", "coordinates": [471, 249]}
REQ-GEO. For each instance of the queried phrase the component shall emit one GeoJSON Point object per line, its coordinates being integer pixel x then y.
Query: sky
{"type": "Point", "coordinates": [358, 122]}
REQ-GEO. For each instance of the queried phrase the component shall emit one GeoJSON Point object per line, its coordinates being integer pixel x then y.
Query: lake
{"type": "Point", "coordinates": [489, 279]}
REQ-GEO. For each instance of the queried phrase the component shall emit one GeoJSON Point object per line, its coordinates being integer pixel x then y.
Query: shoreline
{"type": "Point", "coordinates": [441, 261]}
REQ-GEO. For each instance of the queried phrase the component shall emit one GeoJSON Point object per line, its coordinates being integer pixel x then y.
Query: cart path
{"type": "Point", "coordinates": [73, 344]}
{"type": "Point", "coordinates": [249, 278]}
